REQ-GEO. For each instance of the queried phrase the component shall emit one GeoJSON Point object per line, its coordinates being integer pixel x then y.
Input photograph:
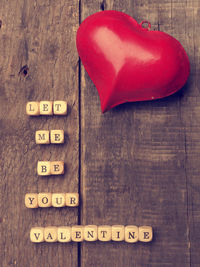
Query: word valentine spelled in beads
{"type": "Point", "coordinates": [80, 233]}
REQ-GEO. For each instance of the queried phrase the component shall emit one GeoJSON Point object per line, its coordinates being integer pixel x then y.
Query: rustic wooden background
{"type": "Point", "coordinates": [137, 164]}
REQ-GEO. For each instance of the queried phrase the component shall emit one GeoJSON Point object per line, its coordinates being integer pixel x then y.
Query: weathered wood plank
{"type": "Point", "coordinates": [41, 35]}
{"type": "Point", "coordinates": [138, 159]}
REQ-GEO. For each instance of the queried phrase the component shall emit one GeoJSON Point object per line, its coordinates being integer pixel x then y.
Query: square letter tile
{"type": "Point", "coordinates": [44, 200]}
{"type": "Point", "coordinates": [57, 136]}
{"type": "Point", "coordinates": [51, 234]}
{"type": "Point", "coordinates": [57, 167]}
{"type": "Point", "coordinates": [64, 234]}
{"type": "Point", "coordinates": [42, 137]}
{"type": "Point", "coordinates": [31, 201]}
{"type": "Point", "coordinates": [46, 108]}
{"type": "Point", "coordinates": [58, 200]}
{"type": "Point", "coordinates": [104, 233]}
{"type": "Point", "coordinates": [90, 233]}
{"type": "Point", "coordinates": [118, 232]}
{"type": "Point", "coordinates": [37, 234]}
{"type": "Point", "coordinates": [145, 233]}
{"type": "Point", "coordinates": [131, 234]}
{"type": "Point", "coordinates": [77, 233]}
{"type": "Point", "coordinates": [60, 107]}
{"type": "Point", "coordinates": [33, 108]}
{"type": "Point", "coordinates": [44, 168]}
{"type": "Point", "coordinates": [72, 199]}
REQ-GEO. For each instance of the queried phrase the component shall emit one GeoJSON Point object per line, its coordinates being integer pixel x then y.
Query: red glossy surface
{"type": "Point", "coordinates": [127, 62]}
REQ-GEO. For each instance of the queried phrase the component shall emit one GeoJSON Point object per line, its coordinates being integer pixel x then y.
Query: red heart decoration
{"type": "Point", "coordinates": [127, 62]}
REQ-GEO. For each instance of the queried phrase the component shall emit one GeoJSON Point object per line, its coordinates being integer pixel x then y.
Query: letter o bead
{"type": "Point", "coordinates": [45, 200]}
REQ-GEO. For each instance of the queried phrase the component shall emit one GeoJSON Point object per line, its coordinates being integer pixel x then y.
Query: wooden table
{"type": "Point", "coordinates": [137, 164]}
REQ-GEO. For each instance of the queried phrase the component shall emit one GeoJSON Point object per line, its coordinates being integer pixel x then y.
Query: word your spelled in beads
{"type": "Point", "coordinates": [46, 200]}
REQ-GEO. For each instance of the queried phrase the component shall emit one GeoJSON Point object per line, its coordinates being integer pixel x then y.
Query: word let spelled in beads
{"type": "Point", "coordinates": [46, 108]}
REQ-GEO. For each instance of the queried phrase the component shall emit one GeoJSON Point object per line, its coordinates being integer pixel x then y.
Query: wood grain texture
{"type": "Point", "coordinates": [140, 161]}
{"type": "Point", "coordinates": [41, 35]}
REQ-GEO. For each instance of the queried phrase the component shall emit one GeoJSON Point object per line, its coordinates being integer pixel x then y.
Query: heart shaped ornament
{"type": "Point", "coordinates": [127, 62]}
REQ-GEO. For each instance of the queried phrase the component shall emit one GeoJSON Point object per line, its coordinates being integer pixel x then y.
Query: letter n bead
{"type": "Point", "coordinates": [90, 233]}
{"type": "Point", "coordinates": [145, 233]}
{"type": "Point", "coordinates": [131, 234]}
{"type": "Point", "coordinates": [31, 200]}
{"type": "Point", "coordinates": [37, 234]}
{"type": "Point", "coordinates": [77, 233]}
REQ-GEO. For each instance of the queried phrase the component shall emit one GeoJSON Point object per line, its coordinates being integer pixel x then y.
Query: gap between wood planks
{"type": "Point", "coordinates": [79, 165]}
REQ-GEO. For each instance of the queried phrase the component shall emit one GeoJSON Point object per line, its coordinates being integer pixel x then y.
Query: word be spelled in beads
{"type": "Point", "coordinates": [80, 233]}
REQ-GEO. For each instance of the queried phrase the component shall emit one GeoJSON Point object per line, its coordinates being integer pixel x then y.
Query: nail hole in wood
{"type": "Point", "coordinates": [24, 70]}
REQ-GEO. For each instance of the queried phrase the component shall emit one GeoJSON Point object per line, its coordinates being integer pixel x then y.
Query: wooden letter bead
{"type": "Point", "coordinates": [58, 200]}
{"type": "Point", "coordinates": [60, 107]}
{"type": "Point", "coordinates": [77, 233]}
{"type": "Point", "coordinates": [64, 234]}
{"type": "Point", "coordinates": [72, 199]}
{"type": "Point", "coordinates": [51, 234]}
{"type": "Point", "coordinates": [42, 137]}
{"type": "Point", "coordinates": [104, 233]}
{"type": "Point", "coordinates": [37, 234]}
{"type": "Point", "coordinates": [57, 167]}
{"type": "Point", "coordinates": [90, 233]}
{"type": "Point", "coordinates": [145, 233]}
{"type": "Point", "coordinates": [44, 168]}
{"type": "Point", "coordinates": [31, 201]}
{"type": "Point", "coordinates": [57, 136]}
{"type": "Point", "coordinates": [131, 234]}
{"type": "Point", "coordinates": [46, 108]}
{"type": "Point", "coordinates": [33, 108]}
{"type": "Point", "coordinates": [117, 232]}
{"type": "Point", "coordinates": [44, 200]}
